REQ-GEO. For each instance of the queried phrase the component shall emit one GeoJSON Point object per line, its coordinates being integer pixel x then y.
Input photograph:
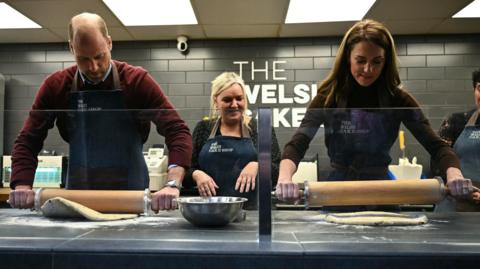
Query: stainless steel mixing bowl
{"type": "Point", "coordinates": [211, 211]}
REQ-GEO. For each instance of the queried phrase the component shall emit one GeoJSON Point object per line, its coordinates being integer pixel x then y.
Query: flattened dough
{"type": "Point", "coordinates": [62, 208]}
{"type": "Point", "coordinates": [376, 218]}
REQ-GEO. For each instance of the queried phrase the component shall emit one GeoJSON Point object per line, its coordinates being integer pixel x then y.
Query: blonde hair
{"type": "Point", "coordinates": [339, 81]}
{"type": "Point", "coordinates": [221, 83]}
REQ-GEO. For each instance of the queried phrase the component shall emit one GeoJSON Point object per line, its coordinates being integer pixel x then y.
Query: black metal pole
{"type": "Point", "coordinates": [265, 174]}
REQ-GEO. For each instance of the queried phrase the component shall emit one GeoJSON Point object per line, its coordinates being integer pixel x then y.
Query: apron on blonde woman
{"type": "Point", "coordinates": [224, 157]}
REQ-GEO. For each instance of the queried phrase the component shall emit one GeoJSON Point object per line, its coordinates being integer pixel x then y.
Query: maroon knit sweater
{"type": "Point", "coordinates": [141, 92]}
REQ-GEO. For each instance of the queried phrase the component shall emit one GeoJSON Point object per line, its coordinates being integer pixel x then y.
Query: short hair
{"type": "Point", "coordinates": [222, 82]}
{"type": "Point", "coordinates": [476, 77]}
{"type": "Point", "coordinates": [101, 25]}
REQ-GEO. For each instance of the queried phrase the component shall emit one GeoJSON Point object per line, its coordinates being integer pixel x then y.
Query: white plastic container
{"type": "Point", "coordinates": [406, 170]}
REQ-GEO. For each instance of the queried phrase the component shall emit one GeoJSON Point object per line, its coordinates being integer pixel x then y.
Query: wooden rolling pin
{"type": "Point", "coordinates": [132, 202]}
{"type": "Point", "coordinates": [374, 192]}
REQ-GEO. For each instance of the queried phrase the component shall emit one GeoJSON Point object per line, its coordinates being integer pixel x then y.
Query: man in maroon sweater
{"type": "Point", "coordinates": [103, 109]}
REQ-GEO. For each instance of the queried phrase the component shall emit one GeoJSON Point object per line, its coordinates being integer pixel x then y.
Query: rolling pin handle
{"type": "Point", "coordinates": [301, 195]}
{"type": "Point", "coordinates": [444, 189]}
{"type": "Point", "coordinates": [147, 200]}
{"type": "Point", "coordinates": [305, 193]}
{"type": "Point", "coordinates": [37, 200]}
{"type": "Point", "coordinates": [447, 191]}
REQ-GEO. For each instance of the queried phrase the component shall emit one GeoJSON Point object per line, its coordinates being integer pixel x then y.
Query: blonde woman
{"type": "Point", "coordinates": [358, 134]}
{"type": "Point", "coordinates": [224, 161]}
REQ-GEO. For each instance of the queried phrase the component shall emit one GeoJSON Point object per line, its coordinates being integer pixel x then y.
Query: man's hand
{"type": "Point", "coordinates": [22, 197]}
{"type": "Point", "coordinates": [164, 199]}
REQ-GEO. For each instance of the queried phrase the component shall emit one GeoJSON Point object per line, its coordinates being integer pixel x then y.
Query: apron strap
{"type": "Point", "coordinates": [75, 82]}
{"type": "Point", "coordinates": [473, 119]}
{"type": "Point", "coordinates": [116, 79]}
{"type": "Point", "coordinates": [245, 133]}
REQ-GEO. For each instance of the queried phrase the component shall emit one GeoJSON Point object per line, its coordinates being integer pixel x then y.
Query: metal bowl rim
{"type": "Point", "coordinates": [186, 200]}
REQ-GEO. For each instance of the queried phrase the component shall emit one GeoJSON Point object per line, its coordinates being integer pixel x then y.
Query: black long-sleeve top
{"type": "Point", "coordinates": [402, 108]}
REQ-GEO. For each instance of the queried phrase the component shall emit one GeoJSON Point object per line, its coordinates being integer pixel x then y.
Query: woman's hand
{"type": "Point", "coordinates": [286, 190]}
{"type": "Point", "coordinates": [459, 187]}
{"type": "Point", "coordinates": [246, 180]}
{"type": "Point", "coordinates": [476, 197]}
{"type": "Point", "coordinates": [205, 184]}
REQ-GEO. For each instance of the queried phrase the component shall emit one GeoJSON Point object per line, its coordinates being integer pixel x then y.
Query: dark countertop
{"type": "Point", "coordinates": [300, 240]}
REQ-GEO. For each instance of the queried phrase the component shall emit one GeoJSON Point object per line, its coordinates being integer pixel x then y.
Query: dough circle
{"type": "Point", "coordinates": [376, 218]}
{"type": "Point", "coordinates": [59, 207]}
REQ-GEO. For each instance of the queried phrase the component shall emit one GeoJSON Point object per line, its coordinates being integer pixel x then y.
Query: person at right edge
{"type": "Point", "coordinates": [362, 105]}
{"type": "Point", "coordinates": [462, 132]}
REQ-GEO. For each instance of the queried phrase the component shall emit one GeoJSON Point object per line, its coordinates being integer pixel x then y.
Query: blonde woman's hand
{"type": "Point", "coordinates": [246, 179]}
{"type": "Point", "coordinates": [205, 184]}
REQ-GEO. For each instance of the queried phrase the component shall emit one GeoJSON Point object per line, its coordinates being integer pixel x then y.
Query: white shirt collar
{"type": "Point", "coordinates": [86, 80]}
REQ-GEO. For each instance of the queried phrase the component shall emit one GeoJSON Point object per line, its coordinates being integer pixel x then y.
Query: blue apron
{"type": "Point", "coordinates": [105, 144]}
{"type": "Point", "coordinates": [224, 157]}
{"type": "Point", "coordinates": [359, 144]}
{"type": "Point", "coordinates": [467, 147]}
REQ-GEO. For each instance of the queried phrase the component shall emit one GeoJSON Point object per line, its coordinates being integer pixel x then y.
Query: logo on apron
{"type": "Point", "coordinates": [348, 127]}
{"type": "Point", "coordinates": [215, 147]}
{"type": "Point", "coordinates": [82, 106]}
{"type": "Point", "coordinates": [474, 135]}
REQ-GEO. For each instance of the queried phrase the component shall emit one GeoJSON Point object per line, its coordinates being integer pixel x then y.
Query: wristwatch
{"type": "Point", "coordinates": [172, 183]}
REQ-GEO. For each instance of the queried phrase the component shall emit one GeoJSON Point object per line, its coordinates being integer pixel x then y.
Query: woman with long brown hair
{"type": "Point", "coordinates": [361, 104]}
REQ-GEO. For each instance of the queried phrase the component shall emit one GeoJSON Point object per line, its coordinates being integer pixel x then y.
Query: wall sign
{"type": "Point", "coordinates": [274, 94]}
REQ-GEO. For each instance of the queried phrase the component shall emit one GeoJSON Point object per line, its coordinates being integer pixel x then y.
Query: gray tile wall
{"type": "Point", "coordinates": [435, 69]}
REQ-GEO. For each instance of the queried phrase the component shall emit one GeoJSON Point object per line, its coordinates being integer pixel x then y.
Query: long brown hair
{"type": "Point", "coordinates": [339, 81]}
